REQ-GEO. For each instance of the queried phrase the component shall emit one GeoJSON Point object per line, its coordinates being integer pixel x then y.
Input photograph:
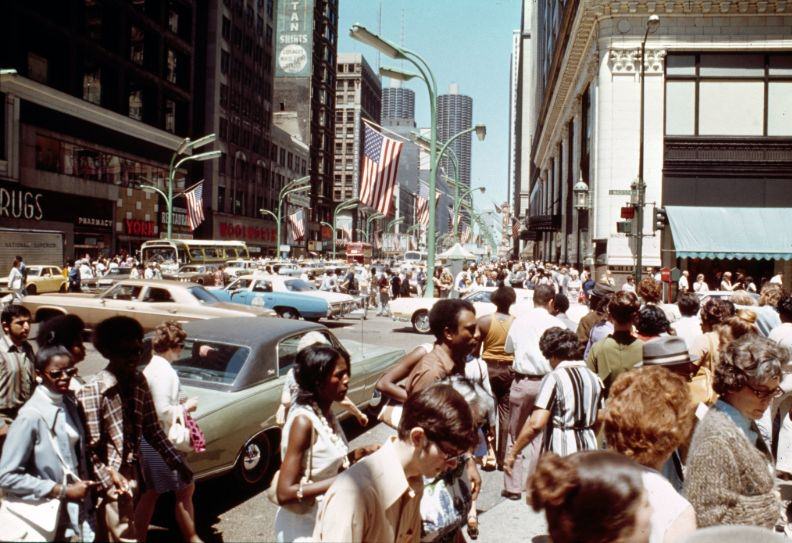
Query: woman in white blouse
{"type": "Point", "coordinates": [158, 478]}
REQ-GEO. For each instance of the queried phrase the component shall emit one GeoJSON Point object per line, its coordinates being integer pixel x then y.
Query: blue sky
{"type": "Point", "coordinates": [464, 41]}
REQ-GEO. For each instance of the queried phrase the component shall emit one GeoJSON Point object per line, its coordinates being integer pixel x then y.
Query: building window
{"type": "Point", "coordinates": [223, 129]}
{"type": "Point", "coordinates": [221, 193]}
{"type": "Point", "coordinates": [136, 45]}
{"type": "Point", "coordinates": [173, 21]}
{"type": "Point", "coordinates": [135, 101]}
{"type": "Point", "coordinates": [225, 60]}
{"type": "Point", "coordinates": [92, 85]}
{"type": "Point", "coordinates": [170, 116]}
{"type": "Point", "coordinates": [171, 66]}
{"type": "Point", "coordinates": [226, 28]}
{"type": "Point", "coordinates": [756, 90]}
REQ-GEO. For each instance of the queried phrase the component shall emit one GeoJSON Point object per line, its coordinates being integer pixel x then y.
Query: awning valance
{"type": "Point", "coordinates": [731, 232]}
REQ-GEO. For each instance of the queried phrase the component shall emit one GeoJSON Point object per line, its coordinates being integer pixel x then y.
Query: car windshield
{"type": "Point", "coordinates": [210, 362]}
{"type": "Point", "coordinates": [298, 285]}
{"type": "Point", "coordinates": [191, 269]}
{"type": "Point", "coordinates": [160, 255]}
{"type": "Point", "coordinates": [33, 272]}
{"type": "Point", "coordinates": [203, 295]}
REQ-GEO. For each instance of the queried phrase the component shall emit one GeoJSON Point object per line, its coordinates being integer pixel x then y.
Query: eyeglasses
{"type": "Point", "coordinates": [57, 374]}
{"type": "Point", "coordinates": [766, 394]}
{"type": "Point", "coordinates": [448, 455]}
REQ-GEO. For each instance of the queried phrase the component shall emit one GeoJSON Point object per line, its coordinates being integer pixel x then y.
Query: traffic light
{"type": "Point", "coordinates": [660, 218]}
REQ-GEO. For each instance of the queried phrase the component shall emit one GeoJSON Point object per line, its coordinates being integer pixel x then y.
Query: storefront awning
{"type": "Point", "coordinates": [731, 232]}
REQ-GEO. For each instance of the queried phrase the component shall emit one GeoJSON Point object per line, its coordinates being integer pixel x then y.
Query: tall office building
{"type": "Point", "coordinates": [234, 101]}
{"type": "Point", "coordinates": [305, 82]}
{"type": "Point", "coordinates": [455, 114]}
{"type": "Point", "coordinates": [397, 102]}
{"type": "Point", "coordinates": [358, 95]}
{"type": "Point", "coordinates": [94, 98]}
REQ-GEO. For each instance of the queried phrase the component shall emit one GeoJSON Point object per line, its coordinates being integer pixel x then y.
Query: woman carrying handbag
{"type": "Point", "coordinates": [43, 469]}
{"type": "Point", "coordinates": [158, 478]}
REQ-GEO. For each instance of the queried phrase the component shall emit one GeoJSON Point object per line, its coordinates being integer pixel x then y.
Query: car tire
{"type": "Point", "coordinates": [420, 321]}
{"type": "Point", "coordinates": [255, 460]}
{"type": "Point", "coordinates": [312, 319]}
{"type": "Point", "coordinates": [287, 313]}
{"type": "Point", "coordinates": [30, 290]}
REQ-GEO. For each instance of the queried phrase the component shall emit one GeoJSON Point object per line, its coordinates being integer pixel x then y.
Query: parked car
{"type": "Point", "coordinates": [203, 274]}
{"type": "Point", "coordinates": [333, 304]}
{"type": "Point", "coordinates": [235, 268]}
{"type": "Point", "coordinates": [40, 279]}
{"type": "Point", "coordinates": [416, 310]}
{"type": "Point", "coordinates": [150, 302]}
{"type": "Point", "coordinates": [258, 291]}
{"type": "Point", "coordinates": [236, 370]}
{"type": "Point", "coordinates": [113, 276]}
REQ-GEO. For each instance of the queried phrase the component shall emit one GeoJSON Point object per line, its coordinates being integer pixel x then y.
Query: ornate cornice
{"type": "Point", "coordinates": [627, 61]}
{"type": "Point", "coordinates": [575, 62]}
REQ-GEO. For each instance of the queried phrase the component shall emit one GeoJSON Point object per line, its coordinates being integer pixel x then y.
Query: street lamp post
{"type": "Point", "coordinates": [458, 206]}
{"type": "Point", "coordinates": [362, 233]}
{"type": "Point", "coordinates": [292, 187]}
{"type": "Point", "coordinates": [392, 50]}
{"type": "Point", "coordinates": [651, 25]}
{"type": "Point", "coordinates": [394, 223]}
{"type": "Point", "coordinates": [187, 145]}
{"type": "Point", "coordinates": [373, 217]}
{"type": "Point", "coordinates": [343, 206]}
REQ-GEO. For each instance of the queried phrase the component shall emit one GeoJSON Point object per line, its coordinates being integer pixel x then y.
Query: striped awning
{"type": "Point", "coordinates": [759, 233]}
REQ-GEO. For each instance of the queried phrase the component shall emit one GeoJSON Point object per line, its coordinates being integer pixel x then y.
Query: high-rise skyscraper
{"type": "Point", "coordinates": [305, 82]}
{"type": "Point", "coordinates": [397, 102]}
{"type": "Point", "coordinates": [455, 114]}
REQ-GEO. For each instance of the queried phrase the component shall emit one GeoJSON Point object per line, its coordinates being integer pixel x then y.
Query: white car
{"type": "Point", "coordinates": [341, 305]}
{"type": "Point", "coordinates": [234, 268]}
{"type": "Point", "coordinates": [416, 310]}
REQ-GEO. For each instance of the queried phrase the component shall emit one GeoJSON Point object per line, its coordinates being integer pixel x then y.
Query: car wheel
{"type": "Point", "coordinates": [255, 460]}
{"type": "Point", "coordinates": [30, 290]}
{"type": "Point", "coordinates": [287, 313]}
{"type": "Point", "coordinates": [420, 322]}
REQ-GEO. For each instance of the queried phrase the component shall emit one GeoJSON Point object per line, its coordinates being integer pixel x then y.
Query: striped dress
{"type": "Point", "coordinates": [573, 395]}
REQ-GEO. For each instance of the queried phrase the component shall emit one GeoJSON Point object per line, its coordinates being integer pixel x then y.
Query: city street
{"type": "Point", "coordinates": [223, 513]}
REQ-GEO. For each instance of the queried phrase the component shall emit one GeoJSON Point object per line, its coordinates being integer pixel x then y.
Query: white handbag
{"type": "Point", "coordinates": [33, 520]}
{"type": "Point", "coordinates": [179, 434]}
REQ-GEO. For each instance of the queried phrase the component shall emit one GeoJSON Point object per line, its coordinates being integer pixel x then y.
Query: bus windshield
{"type": "Point", "coordinates": [178, 252]}
{"type": "Point", "coordinates": [160, 255]}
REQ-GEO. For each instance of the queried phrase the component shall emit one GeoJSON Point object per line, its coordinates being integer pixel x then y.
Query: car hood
{"type": "Point", "coordinates": [409, 305]}
{"type": "Point", "coordinates": [58, 298]}
{"type": "Point", "coordinates": [358, 350]}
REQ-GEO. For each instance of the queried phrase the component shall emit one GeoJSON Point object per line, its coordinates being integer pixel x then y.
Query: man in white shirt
{"type": "Point", "coordinates": [530, 366]}
{"type": "Point", "coordinates": [629, 286]}
{"type": "Point", "coordinates": [689, 326]}
{"type": "Point", "coordinates": [16, 282]}
{"type": "Point", "coordinates": [684, 282]}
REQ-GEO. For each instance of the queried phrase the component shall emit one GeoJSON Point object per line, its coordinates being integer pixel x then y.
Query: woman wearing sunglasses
{"type": "Point", "coordinates": [729, 469]}
{"type": "Point", "coordinates": [44, 455]}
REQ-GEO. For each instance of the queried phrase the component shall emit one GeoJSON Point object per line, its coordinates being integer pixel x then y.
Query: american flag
{"type": "Point", "coordinates": [378, 177]}
{"type": "Point", "coordinates": [422, 204]}
{"type": "Point", "coordinates": [297, 223]}
{"type": "Point", "coordinates": [195, 214]}
{"type": "Point", "coordinates": [515, 228]}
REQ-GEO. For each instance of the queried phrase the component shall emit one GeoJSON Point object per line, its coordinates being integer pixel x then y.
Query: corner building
{"type": "Point", "coordinates": [718, 132]}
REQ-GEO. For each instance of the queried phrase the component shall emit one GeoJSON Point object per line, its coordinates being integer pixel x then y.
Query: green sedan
{"type": "Point", "coordinates": [236, 367]}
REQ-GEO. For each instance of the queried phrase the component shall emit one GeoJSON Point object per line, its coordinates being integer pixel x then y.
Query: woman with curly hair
{"type": "Point", "coordinates": [591, 497]}
{"type": "Point", "coordinates": [728, 479]}
{"type": "Point", "coordinates": [707, 346]}
{"type": "Point", "coordinates": [648, 417]}
{"type": "Point", "coordinates": [568, 403]}
{"type": "Point", "coordinates": [651, 323]}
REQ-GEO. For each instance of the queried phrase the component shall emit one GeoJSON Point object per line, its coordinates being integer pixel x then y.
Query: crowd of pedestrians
{"type": "Point", "coordinates": [644, 421]}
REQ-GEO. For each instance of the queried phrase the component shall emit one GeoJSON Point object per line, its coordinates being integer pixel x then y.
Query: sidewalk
{"type": "Point", "coordinates": [511, 521]}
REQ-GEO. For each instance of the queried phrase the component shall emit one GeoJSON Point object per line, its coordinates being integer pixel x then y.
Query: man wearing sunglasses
{"type": "Point", "coordinates": [378, 499]}
{"type": "Point", "coordinates": [17, 371]}
{"type": "Point", "coordinates": [119, 410]}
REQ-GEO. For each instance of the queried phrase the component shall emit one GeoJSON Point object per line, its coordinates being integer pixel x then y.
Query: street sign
{"type": "Point", "coordinates": [627, 212]}
{"type": "Point", "coordinates": [624, 192]}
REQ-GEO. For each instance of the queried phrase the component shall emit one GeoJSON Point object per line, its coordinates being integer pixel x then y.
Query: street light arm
{"type": "Point", "coordinates": [268, 212]}
{"type": "Point", "coordinates": [155, 189]}
{"type": "Point", "coordinates": [292, 184]}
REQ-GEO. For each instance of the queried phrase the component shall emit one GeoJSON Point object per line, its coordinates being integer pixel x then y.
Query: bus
{"type": "Point", "coordinates": [171, 254]}
{"type": "Point", "coordinates": [358, 251]}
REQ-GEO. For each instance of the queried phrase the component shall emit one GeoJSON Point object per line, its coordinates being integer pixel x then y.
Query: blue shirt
{"type": "Point", "coordinates": [739, 419]}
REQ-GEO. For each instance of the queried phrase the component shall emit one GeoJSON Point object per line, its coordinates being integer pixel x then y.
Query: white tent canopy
{"type": "Point", "coordinates": [457, 252]}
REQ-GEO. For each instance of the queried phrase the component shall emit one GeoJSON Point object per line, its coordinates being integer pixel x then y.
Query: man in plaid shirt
{"type": "Point", "coordinates": [119, 410]}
